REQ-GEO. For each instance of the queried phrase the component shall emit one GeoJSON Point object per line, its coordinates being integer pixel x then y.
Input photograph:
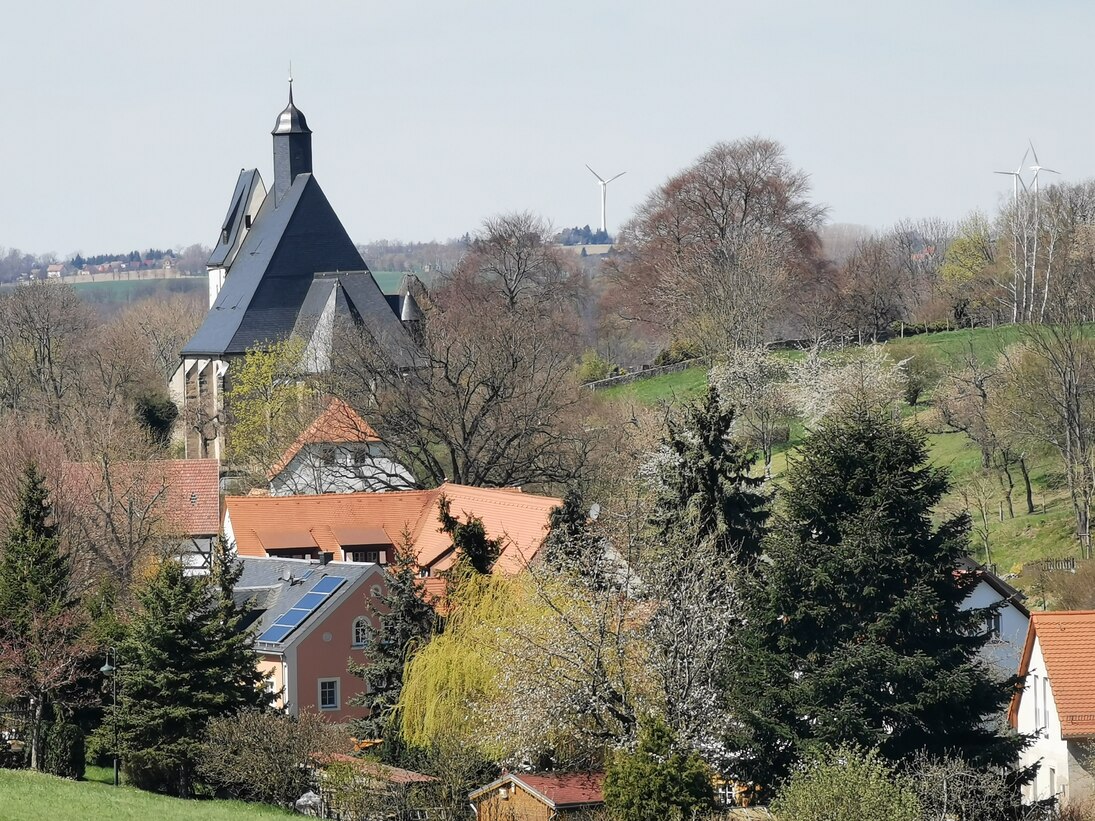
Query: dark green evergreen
{"type": "Point", "coordinates": [405, 623]}
{"type": "Point", "coordinates": [707, 490]}
{"type": "Point", "coordinates": [38, 613]}
{"type": "Point", "coordinates": [184, 660]}
{"type": "Point", "coordinates": [852, 629]}
{"type": "Point", "coordinates": [658, 780]}
{"type": "Point", "coordinates": [572, 543]}
{"type": "Point", "coordinates": [34, 572]}
{"type": "Point", "coordinates": [469, 539]}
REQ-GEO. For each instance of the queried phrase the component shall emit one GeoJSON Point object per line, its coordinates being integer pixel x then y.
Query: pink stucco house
{"type": "Point", "coordinates": [309, 619]}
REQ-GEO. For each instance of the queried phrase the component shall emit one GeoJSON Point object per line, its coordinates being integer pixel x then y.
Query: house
{"type": "Point", "coordinates": [309, 617]}
{"type": "Point", "coordinates": [338, 453]}
{"type": "Point", "coordinates": [1056, 705]}
{"type": "Point", "coordinates": [175, 498]}
{"type": "Point", "coordinates": [283, 266]}
{"type": "Point", "coordinates": [55, 271]}
{"type": "Point", "coordinates": [538, 797]}
{"type": "Point", "coordinates": [367, 527]}
{"type": "Point", "coordinates": [1006, 626]}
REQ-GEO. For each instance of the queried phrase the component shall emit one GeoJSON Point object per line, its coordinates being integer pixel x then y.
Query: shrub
{"type": "Point", "coordinates": [846, 784]}
{"type": "Point", "coordinates": [658, 781]}
{"type": "Point", "coordinates": [64, 750]}
{"type": "Point", "coordinates": [679, 350]}
{"type": "Point", "coordinates": [264, 756]}
{"type": "Point", "coordinates": [593, 367]}
{"type": "Point", "coordinates": [923, 368]}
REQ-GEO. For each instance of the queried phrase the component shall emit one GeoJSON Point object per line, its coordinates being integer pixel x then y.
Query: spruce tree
{"type": "Point", "coordinates": [405, 623]}
{"type": "Point", "coordinates": [184, 660]}
{"type": "Point", "coordinates": [706, 490]}
{"type": "Point", "coordinates": [572, 543]}
{"type": "Point", "coordinates": [852, 630]}
{"type": "Point", "coordinates": [34, 572]}
{"type": "Point", "coordinates": [470, 542]}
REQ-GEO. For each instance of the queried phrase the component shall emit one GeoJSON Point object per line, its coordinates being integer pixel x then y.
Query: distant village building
{"type": "Point", "coordinates": [55, 270]}
{"type": "Point", "coordinates": [283, 265]}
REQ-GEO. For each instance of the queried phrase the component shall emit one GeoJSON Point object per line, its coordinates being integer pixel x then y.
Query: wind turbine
{"type": "Point", "coordinates": [604, 193]}
{"type": "Point", "coordinates": [1017, 180]}
{"type": "Point", "coordinates": [1037, 168]}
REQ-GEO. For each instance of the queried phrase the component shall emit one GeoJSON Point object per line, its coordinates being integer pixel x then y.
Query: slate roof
{"type": "Point", "coordinates": [233, 220]}
{"type": "Point", "coordinates": [273, 271]}
{"type": "Point", "coordinates": [557, 790]}
{"type": "Point", "coordinates": [259, 523]}
{"type": "Point", "coordinates": [271, 586]}
{"type": "Point", "coordinates": [1067, 639]}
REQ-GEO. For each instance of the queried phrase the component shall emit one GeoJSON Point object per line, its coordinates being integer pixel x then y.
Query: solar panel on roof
{"type": "Point", "coordinates": [276, 633]}
{"type": "Point", "coordinates": [310, 601]}
{"type": "Point", "coordinates": [293, 617]}
{"type": "Point", "coordinates": [328, 584]}
{"type": "Point", "coordinates": [305, 606]}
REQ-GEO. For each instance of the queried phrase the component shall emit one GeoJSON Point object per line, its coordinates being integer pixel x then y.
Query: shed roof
{"type": "Point", "coordinates": [557, 790]}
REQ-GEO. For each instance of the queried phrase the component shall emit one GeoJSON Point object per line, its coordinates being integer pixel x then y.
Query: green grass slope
{"type": "Point", "coordinates": [25, 795]}
{"type": "Point", "coordinates": [1011, 541]}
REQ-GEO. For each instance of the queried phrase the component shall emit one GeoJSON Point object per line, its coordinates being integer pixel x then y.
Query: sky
{"type": "Point", "coordinates": [128, 122]}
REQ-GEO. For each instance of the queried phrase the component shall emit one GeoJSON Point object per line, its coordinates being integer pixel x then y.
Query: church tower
{"type": "Point", "coordinates": [292, 148]}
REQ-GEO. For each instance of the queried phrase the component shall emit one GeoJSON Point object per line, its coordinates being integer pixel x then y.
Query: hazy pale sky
{"type": "Point", "coordinates": [127, 122]}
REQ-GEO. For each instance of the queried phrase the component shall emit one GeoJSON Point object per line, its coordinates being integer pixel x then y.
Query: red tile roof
{"type": "Point", "coordinates": [1067, 639]}
{"type": "Point", "coordinates": [339, 424]}
{"type": "Point", "coordinates": [183, 493]}
{"type": "Point", "coordinates": [520, 519]}
{"type": "Point", "coordinates": [557, 790]}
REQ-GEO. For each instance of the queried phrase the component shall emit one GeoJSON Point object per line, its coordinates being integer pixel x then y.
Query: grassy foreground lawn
{"type": "Point", "coordinates": [26, 795]}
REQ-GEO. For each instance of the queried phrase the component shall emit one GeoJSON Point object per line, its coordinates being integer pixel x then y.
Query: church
{"type": "Point", "coordinates": [283, 266]}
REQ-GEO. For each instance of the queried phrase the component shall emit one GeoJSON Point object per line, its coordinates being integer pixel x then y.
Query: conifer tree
{"type": "Point", "coordinates": [184, 660]}
{"type": "Point", "coordinates": [405, 623]}
{"type": "Point", "coordinates": [34, 572]}
{"type": "Point", "coordinates": [573, 544]}
{"type": "Point", "coordinates": [852, 630]}
{"type": "Point", "coordinates": [706, 490]}
{"type": "Point", "coordinates": [469, 539]}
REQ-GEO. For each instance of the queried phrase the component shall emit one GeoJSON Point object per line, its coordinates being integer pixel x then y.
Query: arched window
{"type": "Point", "coordinates": [362, 631]}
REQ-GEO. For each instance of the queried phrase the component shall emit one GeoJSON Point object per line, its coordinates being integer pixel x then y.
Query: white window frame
{"type": "Point", "coordinates": [338, 695]}
{"type": "Point", "coordinates": [360, 621]}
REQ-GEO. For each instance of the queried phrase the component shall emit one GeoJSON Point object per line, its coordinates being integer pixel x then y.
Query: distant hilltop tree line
{"type": "Point", "coordinates": [15, 263]}
{"type": "Point", "coordinates": [582, 236]}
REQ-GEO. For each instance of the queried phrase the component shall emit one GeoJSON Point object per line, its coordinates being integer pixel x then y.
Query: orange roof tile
{"type": "Point", "coordinates": [338, 424]}
{"type": "Point", "coordinates": [1067, 640]}
{"type": "Point", "coordinates": [519, 519]}
{"type": "Point", "coordinates": [183, 493]}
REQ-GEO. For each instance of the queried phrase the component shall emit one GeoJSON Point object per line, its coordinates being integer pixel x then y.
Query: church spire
{"type": "Point", "coordinates": [292, 147]}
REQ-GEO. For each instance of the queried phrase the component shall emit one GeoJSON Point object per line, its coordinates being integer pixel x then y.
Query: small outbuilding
{"type": "Point", "coordinates": [538, 797]}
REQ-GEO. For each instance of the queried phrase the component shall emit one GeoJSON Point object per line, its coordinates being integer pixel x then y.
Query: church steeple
{"type": "Point", "coordinates": [292, 147]}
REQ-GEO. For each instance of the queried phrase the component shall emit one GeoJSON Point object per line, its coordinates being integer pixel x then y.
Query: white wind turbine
{"type": "Point", "coordinates": [1038, 168]}
{"type": "Point", "coordinates": [604, 193]}
{"type": "Point", "coordinates": [1017, 284]}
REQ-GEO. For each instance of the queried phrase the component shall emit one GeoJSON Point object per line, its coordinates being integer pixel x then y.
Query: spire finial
{"type": "Point", "coordinates": [290, 82]}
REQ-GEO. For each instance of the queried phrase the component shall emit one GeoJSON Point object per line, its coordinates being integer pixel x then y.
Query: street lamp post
{"type": "Point", "coordinates": [111, 670]}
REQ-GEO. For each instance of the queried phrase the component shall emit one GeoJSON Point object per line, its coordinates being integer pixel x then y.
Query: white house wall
{"type": "Point", "coordinates": [308, 473]}
{"type": "Point", "coordinates": [1005, 652]}
{"type": "Point", "coordinates": [1047, 746]}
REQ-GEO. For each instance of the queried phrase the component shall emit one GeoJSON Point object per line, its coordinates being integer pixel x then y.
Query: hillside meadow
{"type": "Point", "coordinates": [1011, 542]}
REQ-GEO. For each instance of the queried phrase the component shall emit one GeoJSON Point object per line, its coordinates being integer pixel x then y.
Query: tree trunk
{"type": "Point", "coordinates": [1026, 483]}
{"type": "Point", "coordinates": [36, 734]}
